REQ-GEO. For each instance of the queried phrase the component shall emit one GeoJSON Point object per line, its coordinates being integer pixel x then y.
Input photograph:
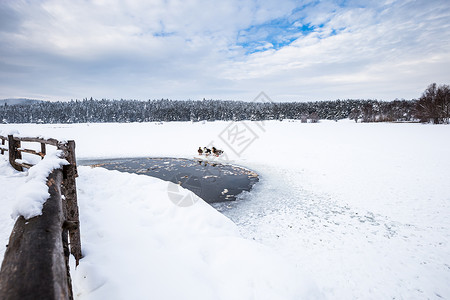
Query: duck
{"type": "Point", "coordinates": [216, 151]}
{"type": "Point", "coordinates": [207, 151]}
{"type": "Point", "coordinates": [200, 151]}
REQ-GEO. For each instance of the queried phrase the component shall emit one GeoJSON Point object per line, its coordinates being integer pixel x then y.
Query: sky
{"type": "Point", "coordinates": [230, 49]}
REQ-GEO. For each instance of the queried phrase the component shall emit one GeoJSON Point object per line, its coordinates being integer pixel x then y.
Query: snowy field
{"type": "Point", "coordinates": [342, 211]}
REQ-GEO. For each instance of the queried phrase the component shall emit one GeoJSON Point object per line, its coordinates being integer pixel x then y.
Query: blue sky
{"type": "Point", "coordinates": [273, 34]}
{"type": "Point", "coordinates": [229, 49]}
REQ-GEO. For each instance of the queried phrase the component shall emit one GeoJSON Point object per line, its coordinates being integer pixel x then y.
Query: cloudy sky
{"type": "Point", "coordinates": [229, 49]}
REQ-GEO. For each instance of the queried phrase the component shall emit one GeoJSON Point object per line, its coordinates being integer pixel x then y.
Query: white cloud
{"type": "Point", "coordinates": [379, 53]}
{"type": "Point", "coordinates": [190, 49]}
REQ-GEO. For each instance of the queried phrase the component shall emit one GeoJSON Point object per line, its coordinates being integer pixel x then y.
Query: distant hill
{"type": "Point", "coordinates": [19, 101]}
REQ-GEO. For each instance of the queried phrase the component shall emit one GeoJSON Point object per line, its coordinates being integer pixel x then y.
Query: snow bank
{"type": "Point", "coordinates": [28, 190]}
{"type": "Point", "coordinates": [362, 207]}
{"type": "Point", "coordinates": [23, 193]}
{"type": "Point", "coordinates": [138, 244]}
{"type": "Point", "coordinates": [8, 131]}
{"type": "Point", "coordinates": [10, 182]}
{"type": "Point", "coordinates": [33, 194]}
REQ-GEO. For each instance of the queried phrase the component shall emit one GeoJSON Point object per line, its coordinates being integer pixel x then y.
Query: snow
{"type": "Point", "coordinates": [8, 131]}
{"type": "Point", "coordinates": [31, 191]}
{"type": "Point", "coordinates": [137, 244]}
{"type": "Point", "coordinates": [343, 210]}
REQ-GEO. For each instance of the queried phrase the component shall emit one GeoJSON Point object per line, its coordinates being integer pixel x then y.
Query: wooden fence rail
{"type": "Point", "coordinates": [36, 260]}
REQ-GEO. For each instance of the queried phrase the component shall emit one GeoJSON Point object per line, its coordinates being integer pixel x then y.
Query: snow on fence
{"type": "Point", "coordinates": [36, 262]}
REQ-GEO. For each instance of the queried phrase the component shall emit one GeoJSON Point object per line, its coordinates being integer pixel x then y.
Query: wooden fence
{"type": "Point", "coordinates": [36, 262]}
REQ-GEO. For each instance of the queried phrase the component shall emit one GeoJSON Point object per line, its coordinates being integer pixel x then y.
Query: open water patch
{"type": "Point", "coordinates": [211, 181]}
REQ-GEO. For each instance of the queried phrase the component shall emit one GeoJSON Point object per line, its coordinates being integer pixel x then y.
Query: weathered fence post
{"type": "Point", "coordinates": [34, 266]}
{"type": "Point", "coordinates": [3, 144]}
{"type": "Point", "coordinates": [43, 151]}
{"type": "Point", "coordinates": [71, 202]}
{"type": "Point", "coordinates": [13, 145]}
{"type": "Point", "coordinates": [36, 262]}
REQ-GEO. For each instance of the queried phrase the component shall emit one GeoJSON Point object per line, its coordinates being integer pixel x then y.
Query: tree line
{"type": "Point", "coordinates": [433, 106]}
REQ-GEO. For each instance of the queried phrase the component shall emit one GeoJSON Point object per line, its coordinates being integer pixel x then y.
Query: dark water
{"type": "Point", "coordinates": [213, 182]}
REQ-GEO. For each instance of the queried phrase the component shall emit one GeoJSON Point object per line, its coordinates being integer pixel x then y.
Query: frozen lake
{"type": "Point", "coordinates": [211, 181]}
{"type": "Point", "coordinates": [360, 209]}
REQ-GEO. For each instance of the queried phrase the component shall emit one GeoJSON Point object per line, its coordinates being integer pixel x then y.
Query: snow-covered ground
{"type": "Point", "coordinates": [342, 209]}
